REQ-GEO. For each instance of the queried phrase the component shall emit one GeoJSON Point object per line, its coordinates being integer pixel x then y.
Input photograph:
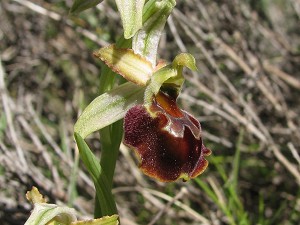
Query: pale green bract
{"type": "Point", "coordinates": [145, 41]}
{"type": "Point", "coordinates": [108, 108]}
{"type": "Point", "coordinates": [131, 12]}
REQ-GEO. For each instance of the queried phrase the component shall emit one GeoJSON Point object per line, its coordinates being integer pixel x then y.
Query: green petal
{"type": "Point", "coordinates": [180, 61]}
{"type": "Point", "coordinates": [125, 62]}
{"type": "Point", "coordinates": [170, 77]}
{"type": "Point", "coordinates": [185, 59]}
{"type": "Point", "coordinates": [157, 80]}
{"type": "Point", "coordinates": [108, 108]}
{"type": "Point", "coordinates": [131, 14]}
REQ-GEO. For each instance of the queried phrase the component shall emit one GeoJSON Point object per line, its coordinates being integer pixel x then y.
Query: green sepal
{"type": "Point", "coordinates": [133, 67]}
{"type": "Point", "coordinates": [108, 108]}
{"type": "Point", "coordinates": [81, 5]}
{"type": "Point", "coordinates": [131, 12]}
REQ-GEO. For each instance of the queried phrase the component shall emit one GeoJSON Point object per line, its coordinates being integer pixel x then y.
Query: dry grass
{"type": "Point", "coordinates": [248, 80]}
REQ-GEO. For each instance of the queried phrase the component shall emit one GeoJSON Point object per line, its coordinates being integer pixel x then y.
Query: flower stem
{"type": "Point", "coordinates": [111, 135]}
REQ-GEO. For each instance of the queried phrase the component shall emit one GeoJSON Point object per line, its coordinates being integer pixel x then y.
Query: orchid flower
{"type": "Point", "coordinates": [166, 139]}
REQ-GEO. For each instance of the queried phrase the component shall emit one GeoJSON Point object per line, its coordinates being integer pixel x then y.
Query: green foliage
{"type": "Point", "coordinates": [155, 14]}
{"type": "Point", "coordinates": [3, 124]}
{"type": "Point", "coordinates": [108, 206]}
{"type": "Point", "coordinates": [227, 198]}
{"type": "Point", "coordinates": [51, 63]}
{"type": "Point", "coordinates": [131, 14]}
{"type": "Point", "coordinates": [81, 5]}
{"type": "Point", "coordinates": [108, 108]}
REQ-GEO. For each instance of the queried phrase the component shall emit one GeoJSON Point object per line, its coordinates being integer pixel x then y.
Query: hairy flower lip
{"type": "Point", "coordinates": [166, 139]}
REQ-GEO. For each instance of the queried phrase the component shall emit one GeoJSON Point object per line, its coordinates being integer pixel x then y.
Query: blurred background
{"type": "Point", "coordinates": [245, 94]}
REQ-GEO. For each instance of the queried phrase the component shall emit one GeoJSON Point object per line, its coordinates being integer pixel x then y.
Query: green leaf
{"type": "Point", "coordinates": [125, 62]}
{"type": "Point", "coordinates": [80, 5]}
{"type": "Point", "coordinates": [145, 42]}
{"type": "Point", "coordinates": [108, 108]}
{"type": "Point", "coordinates": [104, 195]}
{"type": "Point", "coordinates": [131, 14]}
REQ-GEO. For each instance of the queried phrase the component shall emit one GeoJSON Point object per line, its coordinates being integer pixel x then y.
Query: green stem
{"type": "Point", "coordinates": [111, 136]}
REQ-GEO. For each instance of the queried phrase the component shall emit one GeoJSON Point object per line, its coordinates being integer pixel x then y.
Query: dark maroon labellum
{"type": "Point", "coordinates": [166, 139]}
